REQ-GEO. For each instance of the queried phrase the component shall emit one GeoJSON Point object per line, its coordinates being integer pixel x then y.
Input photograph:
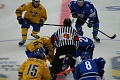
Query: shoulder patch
{"type": "Point", "coordinates": [40, 8]}
{"type": "Point", "coordinates": [87, 5]}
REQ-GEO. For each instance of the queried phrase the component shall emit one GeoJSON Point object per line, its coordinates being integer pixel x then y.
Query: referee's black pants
{"type": "Point", "coordinates": [56, 64]}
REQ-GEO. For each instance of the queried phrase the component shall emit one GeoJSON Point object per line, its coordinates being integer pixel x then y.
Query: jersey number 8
{"type": "Point", "coordinates": [88, 65]}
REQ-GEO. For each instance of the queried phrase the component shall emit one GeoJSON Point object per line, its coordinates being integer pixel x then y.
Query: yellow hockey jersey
{"type": "Point", "coordinates": [42, 41]}
{"type": "Point", "coordinates": [31, 13]}
{"type": "Point", "coordinates": [34, 69]}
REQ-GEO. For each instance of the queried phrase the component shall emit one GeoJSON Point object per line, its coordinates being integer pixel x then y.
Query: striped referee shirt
{"type": "Point", "coordinates": [66, 36]}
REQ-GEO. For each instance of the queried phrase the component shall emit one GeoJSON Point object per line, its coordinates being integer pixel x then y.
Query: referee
{"type": "Point", "coordinates": [66, 42]}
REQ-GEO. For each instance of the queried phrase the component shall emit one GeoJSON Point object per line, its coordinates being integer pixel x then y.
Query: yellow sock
{"type": "Point", "coordinates": [24, 33]}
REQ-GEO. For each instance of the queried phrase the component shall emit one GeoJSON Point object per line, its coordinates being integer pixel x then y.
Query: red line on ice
{"type": "Point", "coordinates": [65, 12]}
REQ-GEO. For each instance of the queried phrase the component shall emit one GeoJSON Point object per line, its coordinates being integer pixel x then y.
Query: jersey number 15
{"type": "Point", "coordinates": [32, 70]}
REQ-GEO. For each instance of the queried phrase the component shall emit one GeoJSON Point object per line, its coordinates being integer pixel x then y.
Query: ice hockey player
{"type": "Point", "coordinates": [35, 15]}
{"type": "Point", "coordinates": [34, 68]}
{"type": "Point", "coordinates": [83, 10]}
{"type": "Point", "coordinates": [89, 69]}
{"type": "Point", "coordinates": [85, 45]}
{"type": "Point", "coordinates": [44, 42]}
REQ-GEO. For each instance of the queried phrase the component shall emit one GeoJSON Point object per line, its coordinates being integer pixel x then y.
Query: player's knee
{"type": "Point", "coordinates": [96, 25]}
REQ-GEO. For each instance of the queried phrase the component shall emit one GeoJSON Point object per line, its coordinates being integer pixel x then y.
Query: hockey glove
{"type": "Point", "coordinates": [20, 20]}
{"type": "Point", "coordinates": [41, 23]}
{"type": "Point", "coordinates": [101, 73]}
{"type": "Point", "coordinates": [90, 24]}
{"type": "Point", "coordinates": [46, 50]}
{"type": "Point", "coordinates": [74, 15]}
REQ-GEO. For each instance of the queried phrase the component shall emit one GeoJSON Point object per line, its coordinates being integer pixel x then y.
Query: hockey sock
{"type": "Point", "coordinates": [24, 33]}
{"type": "Point", "coordinates": [34, 33]}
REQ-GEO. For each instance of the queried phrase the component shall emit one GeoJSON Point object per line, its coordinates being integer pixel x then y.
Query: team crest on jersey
{"type": "Point", "coordinates": [40, 8]}
{"type": "Point", "coordinates": [33, 13]}
{"type": "Point", "coordinates": [66, 35]}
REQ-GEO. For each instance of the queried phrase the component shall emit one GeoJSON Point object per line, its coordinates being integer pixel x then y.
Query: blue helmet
{"type": "Point", "coordinates": [39, 54]}
{"type": "Point", "coordinates": [85, 55]}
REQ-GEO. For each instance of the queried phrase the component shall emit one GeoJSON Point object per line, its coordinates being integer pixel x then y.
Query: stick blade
{"type": "Point", "coordinates": [113, 36]}
{"type": "Point", "coordinates": [65, 71]}
{"type": "Point", "coordinates": [62, 56]}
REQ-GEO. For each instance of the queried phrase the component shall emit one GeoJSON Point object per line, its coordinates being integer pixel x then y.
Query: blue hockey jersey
{"type": "Point", "coordinates": [85, 43]}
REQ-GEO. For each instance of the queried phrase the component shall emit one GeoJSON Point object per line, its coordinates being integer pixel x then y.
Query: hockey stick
{"type": "Point", "coordinates": [57, 24]}
{"type": "Point", "coordinates": [63, 72]}
{"type": "Point", "coordinates": [111, 37]}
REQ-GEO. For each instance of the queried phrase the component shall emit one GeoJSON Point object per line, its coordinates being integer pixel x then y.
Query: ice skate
{"type": "Point", "coordinates": [36, 37]}
{"type": "Point", "coordinates": [21, 42]}
{"type": "Point", "coordinates": [96, 38]}
{"type": "Point", "coordinates": [53, 76]}
{"type": "Point", "coordinates": [65, 67]}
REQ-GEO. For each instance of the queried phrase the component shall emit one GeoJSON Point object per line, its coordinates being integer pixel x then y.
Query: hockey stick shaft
{"type": "Point", "coordinates": [57, 24]}
{"type": "Point", "coordinates": [111, 37]}
{"type": "Point", "coordinates": [52, 25]}
{"type": "Point", "coordinates": [63, 72]}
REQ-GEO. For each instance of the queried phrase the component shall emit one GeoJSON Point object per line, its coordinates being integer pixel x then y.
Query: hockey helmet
{"type": "Point", "coordinates": [80, 0]}
{"type": "Point", "coordinates": [85, 55]}
{"type": "Point", "coordinates": [67, 22]}
{"type": "Point", "coordinates": [35, 0]}
{"type": "Point", "coordinates": [53, 38]}
{"type": "Point", "coordinates": [38, 53]}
